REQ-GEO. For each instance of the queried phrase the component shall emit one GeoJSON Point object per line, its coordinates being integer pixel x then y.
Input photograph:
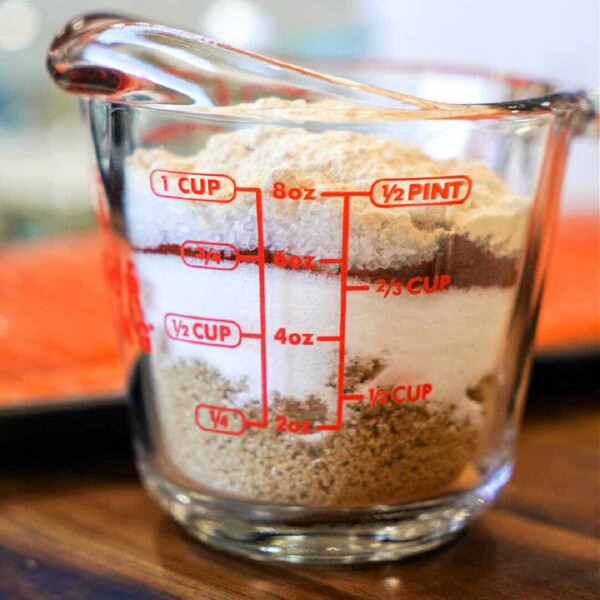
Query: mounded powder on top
{"type": "Point", "coordinates": [326, 161]}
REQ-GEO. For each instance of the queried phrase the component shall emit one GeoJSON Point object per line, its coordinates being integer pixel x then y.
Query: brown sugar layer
{"type": "Point", "coordinates": [468, 263]}
{"type": "Point", "coordinates": [383, 454]}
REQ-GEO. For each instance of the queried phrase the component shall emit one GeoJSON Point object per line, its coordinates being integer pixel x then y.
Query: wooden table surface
{"type": "Point", "coordinates": [75, 524]}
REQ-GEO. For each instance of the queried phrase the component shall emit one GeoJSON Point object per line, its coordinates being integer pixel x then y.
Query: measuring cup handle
{"type": "Point", "coordinates": [587, 122]}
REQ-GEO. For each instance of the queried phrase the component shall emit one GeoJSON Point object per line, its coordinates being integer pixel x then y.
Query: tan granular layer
{"type": "Point", "coordinates": [382, 455]}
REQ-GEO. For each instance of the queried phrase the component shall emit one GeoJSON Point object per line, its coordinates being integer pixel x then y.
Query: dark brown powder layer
{"type": "Point", "coordinates": [469, 264]}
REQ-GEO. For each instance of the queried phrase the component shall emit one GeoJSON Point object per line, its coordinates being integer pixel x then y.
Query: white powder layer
{"type": "Point", "coordinates": [326, 161]}
{"type": "Point", "coordinates": [450, 340]}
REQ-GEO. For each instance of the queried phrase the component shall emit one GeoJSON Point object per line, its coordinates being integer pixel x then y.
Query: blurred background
{"type": "Point", "coordinates": [44, 161]}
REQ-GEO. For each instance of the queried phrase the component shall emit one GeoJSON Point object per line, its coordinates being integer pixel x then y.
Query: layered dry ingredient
{"type": "Point", "coordinates": [431, 356]}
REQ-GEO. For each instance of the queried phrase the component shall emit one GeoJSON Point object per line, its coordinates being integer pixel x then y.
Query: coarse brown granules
{"type": "Point", "coordinates": [385, 454]}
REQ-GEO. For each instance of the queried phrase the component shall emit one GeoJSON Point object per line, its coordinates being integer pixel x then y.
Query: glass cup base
{"type": "Point", "coordinates": [323, 536]}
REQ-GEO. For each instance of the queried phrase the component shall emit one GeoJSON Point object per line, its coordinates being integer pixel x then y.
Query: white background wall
{"type": "Point", "coordinates": [554, 39]}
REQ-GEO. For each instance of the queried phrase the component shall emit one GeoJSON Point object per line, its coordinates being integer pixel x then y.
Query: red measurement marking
{"type": "Point", "coordinates": [420, 191]}
{"type": "Point", "coordinates": [256, 336]}
{"type": "Point", "coordinates": [343, 194]}
{"type": "Point", "coordinates": [344, 288]}
{"type": "Point", "coordinates": [292, 261]}
{"type": "Point", "coordinates": [203, 330]}
{"type": "Point", "coordinates": [414, 286]}
{"type": "Point", "coordinates": [388, 287]}
{"type": "Point", "coordinates": [328, 338]}
{"type": "Point", "coordinates": [248, 258]}
{"type": "Point", "coordinates": [262, 300]}
{"type": "Point", "coordinates": [218, 419]}
{"type": "Point", "coordinates": [285, 425]}
{"type": "Point", "coordinates": [328, 427]}
{"type": "Point", "coordinates": [343, 303]}
{"type": "Point", "coordinates": [281, 192]}
{"type": "Point", "coordinates": [186, 185]}
{"type": "Point", "coordinates": [263, 317]}
{"type": "Point", "coordinates": [293, 338]}
{"type": "Point", "coordinates": [400, 394]}
{"type": "Point", "coordinates": [330, 261]}
{"type": "Point", "coordinates": [348, 397]}
{"type": "Point", "coordinates": [358, 288]}
{"type": "Point", "coordinates": [209, 255]}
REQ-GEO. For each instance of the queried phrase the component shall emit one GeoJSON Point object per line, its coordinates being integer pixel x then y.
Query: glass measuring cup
{"type": "Point", "coordinates": [327, 291]}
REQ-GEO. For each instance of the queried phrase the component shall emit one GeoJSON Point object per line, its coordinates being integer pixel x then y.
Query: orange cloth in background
{"type": "Point", "coordinates": [570, 316]}
{"type": "Point", "coordinates": [57, 333]}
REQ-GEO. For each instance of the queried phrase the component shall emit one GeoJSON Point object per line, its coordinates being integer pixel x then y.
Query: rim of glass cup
{"type": "Point", "coordinates": [104, 79]}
